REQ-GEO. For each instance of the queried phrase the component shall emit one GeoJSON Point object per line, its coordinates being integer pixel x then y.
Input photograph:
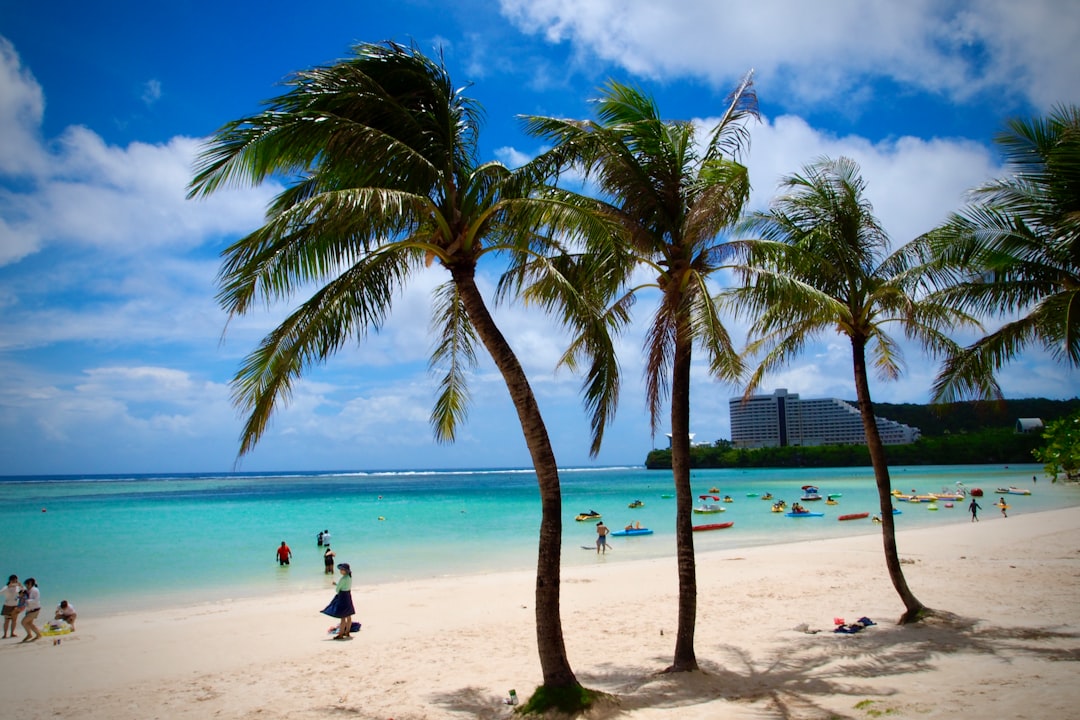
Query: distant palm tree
{"type": "Point", "coordinates": [672, 198]}
{"type": "Point", "coordinates": [380, 150]}
{"type": "Point", "coordinates": [820, 265]}
{"type": "Point", "coordinates": [1015, 250]}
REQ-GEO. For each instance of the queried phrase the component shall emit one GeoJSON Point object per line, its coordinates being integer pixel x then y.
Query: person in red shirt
{"type": "Point", "coordinates": [283, 554]}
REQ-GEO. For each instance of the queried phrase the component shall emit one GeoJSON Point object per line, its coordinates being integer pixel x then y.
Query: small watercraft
{"type": "Point", "coordinates": [805, 513]}
{"type": "Point", "coordinates": [630, 532]}
{"type": "Point", "coordinates": [810, 493]}
{"type": "Point", "coordinates": [854, 516]}
{"type": "Point", "coordinates": [713, 526]}
{"type": "Point", "coordinates": [591, 515]}
{"type": "Point", "coordinates": [709, 507]}
{"type": "Point", "coordinates": [636, 504]}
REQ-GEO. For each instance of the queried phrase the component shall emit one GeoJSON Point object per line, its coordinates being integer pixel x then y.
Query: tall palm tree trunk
{"type": "Point", "coordinates": [549, 636]}
{"type": "Point", "coordinates": [685, 657]}
{"type": "Point", "coordinates": [914, 609]}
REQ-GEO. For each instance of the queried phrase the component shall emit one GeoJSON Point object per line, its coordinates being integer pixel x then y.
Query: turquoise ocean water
{"type": "Point", "coordinates": [113, 544]}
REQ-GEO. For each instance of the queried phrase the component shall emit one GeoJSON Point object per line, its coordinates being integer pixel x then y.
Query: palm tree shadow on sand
{"type": "Point", "coordinates": [790, 678]}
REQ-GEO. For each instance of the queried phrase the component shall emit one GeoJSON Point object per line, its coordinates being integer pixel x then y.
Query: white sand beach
{"type": "Point", "coordinates": [453, 647]}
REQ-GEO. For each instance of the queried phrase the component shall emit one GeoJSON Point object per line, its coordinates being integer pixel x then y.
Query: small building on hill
{"type": "Point", "coordinates": [1029, 425]}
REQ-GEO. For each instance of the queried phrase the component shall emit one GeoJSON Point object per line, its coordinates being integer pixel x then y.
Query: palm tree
{"type": "Point", "coordinates": [820, 265]}
{"type": "Point", "coordinates": [381, 151]}
{"type": "Point", "coordinates": [672, 198]}
{"type": "Point", "coordinates": [1015, 250]}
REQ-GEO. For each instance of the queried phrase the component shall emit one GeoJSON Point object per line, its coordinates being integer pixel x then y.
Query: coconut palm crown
{"type": "Point", "coordinates": [1014, 253]}
{"type": "Point", "coordinates": [379, 154]}
{"type": "Point", "coordinates": [820, 263]}
{"type": "Point", "coordinates": [671, 197]}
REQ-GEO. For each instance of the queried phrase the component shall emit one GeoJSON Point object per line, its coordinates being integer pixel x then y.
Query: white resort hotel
{"type": "Point", "coordinates": [783, 419]}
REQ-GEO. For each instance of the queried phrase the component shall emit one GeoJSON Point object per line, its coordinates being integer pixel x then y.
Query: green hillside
{"type": "Point", "coordinates": [964, 433]}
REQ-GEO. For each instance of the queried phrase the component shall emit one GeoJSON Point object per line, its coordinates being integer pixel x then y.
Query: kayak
{"type": "Point", "coordinates": [632, 531]}
{"type": "Point", "coordinates": [805, 514]}
{"type": "Point", "coordinates": [854, 516]}
{"type": "Point", "coordinates": [714, 526]}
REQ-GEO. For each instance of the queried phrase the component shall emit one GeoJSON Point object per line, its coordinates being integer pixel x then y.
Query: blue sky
{"type": "Point", "coordinates": [114, 356]}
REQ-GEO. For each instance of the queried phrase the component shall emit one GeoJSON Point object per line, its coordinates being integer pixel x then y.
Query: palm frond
{"type": "Point", "coordinates": [455, 353]}
{"type": "Point", "coordinates": [350, 305]}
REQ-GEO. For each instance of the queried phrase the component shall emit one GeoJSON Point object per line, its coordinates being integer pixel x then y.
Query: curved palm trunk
{"type": "Point", "coordinates": [914, 608]}
{"type": "Point", "coordinates": [549, 636]}
{"type": "Point", "coordinates": [685, 657]}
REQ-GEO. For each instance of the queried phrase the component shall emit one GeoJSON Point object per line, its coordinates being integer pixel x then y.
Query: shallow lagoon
{"type": "Point", "coordinates": [122, 543]}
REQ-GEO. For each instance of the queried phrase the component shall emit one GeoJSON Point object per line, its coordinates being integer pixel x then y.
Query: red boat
{"type": "Point", "coordinates": [854, 516]}
{"type": "Point", "coordinates": [714, 526]}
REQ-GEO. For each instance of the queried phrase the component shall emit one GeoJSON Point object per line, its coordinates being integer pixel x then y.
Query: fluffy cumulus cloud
{"type": "Point", "coordinates": [912, 183]}
{"type": "Point", "coordinates": [821, 51]}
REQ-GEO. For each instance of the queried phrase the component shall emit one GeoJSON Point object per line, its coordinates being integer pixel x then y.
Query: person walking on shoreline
{"type": "Point", "coordinates": [1003, 506]}
{"type": "Point", "coordinates": [11, 605]}
{"type": "Point", "coordinates": [33, 607]}
{"type": "Point", "coordinates": [601, 537]}
{"type": "Point", "coordinates": [974, 507]}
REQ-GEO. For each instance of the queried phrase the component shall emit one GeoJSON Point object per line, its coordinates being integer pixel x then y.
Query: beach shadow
{"type": "Point", "coordinates": [792, 675]}
{"type": "Point", "coordinates": [476, 703]}
{"type": "Point", "coordinates": [790, 679]}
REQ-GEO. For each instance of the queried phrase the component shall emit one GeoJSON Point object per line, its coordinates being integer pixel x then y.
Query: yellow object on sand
{"type": "Point", "coordinates": [56, 627]}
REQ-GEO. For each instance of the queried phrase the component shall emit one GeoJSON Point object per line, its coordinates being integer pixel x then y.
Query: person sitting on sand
{"type": "Point", "coordinates": [65, 612]}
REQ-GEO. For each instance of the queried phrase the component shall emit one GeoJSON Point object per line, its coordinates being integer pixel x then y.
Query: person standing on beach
{"type": "Point", "coordinates": [342, 605]}
{"type": "Point", "coordinates": [601, 537]}
{"type": "Point", "coordinates": [974, 507]}
{"type": "Point", "coordinates": [33, 607]}
{"type": "Point", "coordinates": [11, 605]}
{"type": "Point", "coordinates": [328, 560]}
{"type": "Point", "coordinates": [1003, 506]}
{"type": "Point", "coordinates": [284, 554]}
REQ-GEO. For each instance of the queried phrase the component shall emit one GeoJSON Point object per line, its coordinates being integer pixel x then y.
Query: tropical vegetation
{"type": "Point", "coordinates": [672, 198]}
{"type": "Point", "coordinates": [820, 263]}
{"type": "Point", "coordinates": [379, 154]}
{"type": "Point", "coordinates": [963, 433]}
{"type": "Point", "coordinates": [1061, 448]}
{"type": "Point", "coordinates": [1014, 253]}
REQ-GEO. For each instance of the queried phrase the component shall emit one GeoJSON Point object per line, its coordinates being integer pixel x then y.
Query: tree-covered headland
{"type": "Point", "coordinates": [962, 433]}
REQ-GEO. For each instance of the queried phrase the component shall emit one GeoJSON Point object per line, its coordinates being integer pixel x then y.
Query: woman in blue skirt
{"type": "Point", "coordinates": [342, 606]}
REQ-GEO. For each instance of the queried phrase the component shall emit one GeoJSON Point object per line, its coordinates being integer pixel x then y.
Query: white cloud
{"type": "Point", "coordinates": [828, 51]}
{"type": "Point", "coordinates": [22, 105]}
{"type": "Point", "coordinates": [151, 91]}
{"type": "Point", "coordinates": [913, 183]}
